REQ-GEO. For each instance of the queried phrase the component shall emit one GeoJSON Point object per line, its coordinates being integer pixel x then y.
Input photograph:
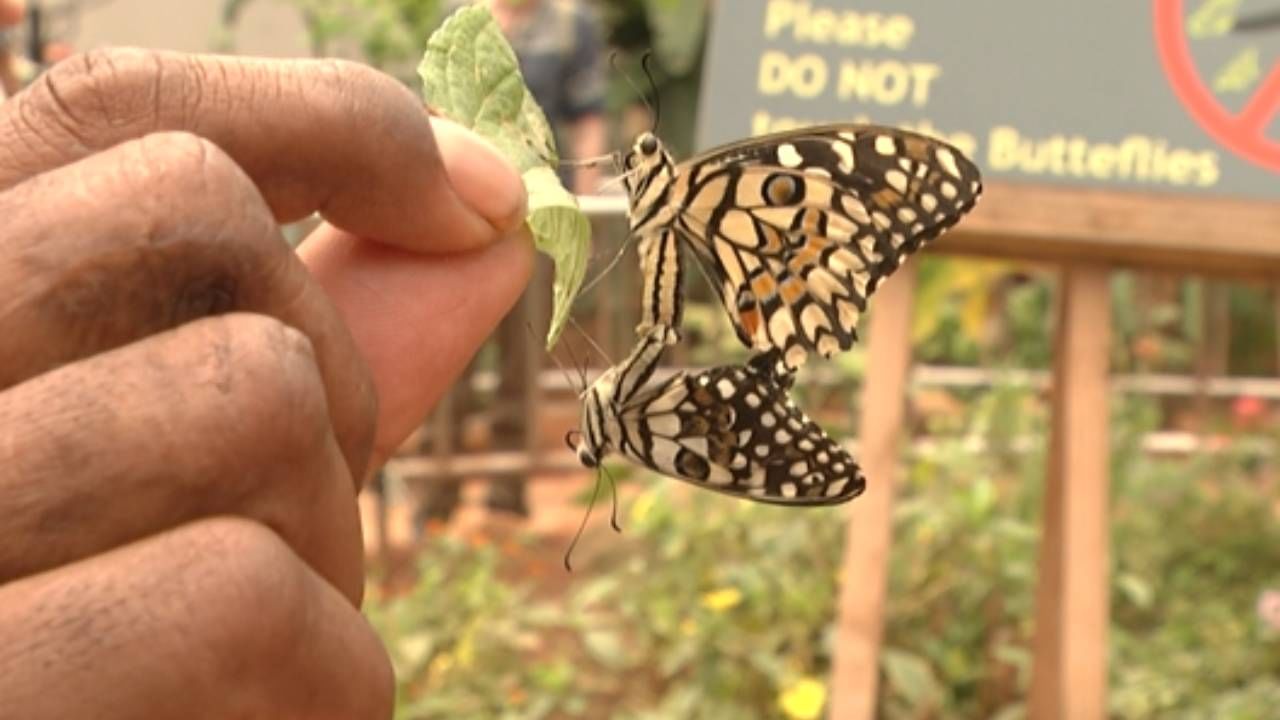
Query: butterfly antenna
{"type": "Point", "coordinates": [595, 493]}
{"type": "Point", "coordinates": [617, 257]}
{"type": "Point", "coordinates": [563, 370]}
{"type": "Point", "coordinates": [619, 178]}
{"type": "Point", "coordinates": [657, 102]}
{"type": "Point", "coordinates": [591, 341]}
{"type": "Point", "coordinates": [613, 60]}
{"type": "Point", "coordinates": [613, 514]}
{"type": "Point", "coordinates": [589, 162]}
{"type": "Point", "coordinates": [580, 367]}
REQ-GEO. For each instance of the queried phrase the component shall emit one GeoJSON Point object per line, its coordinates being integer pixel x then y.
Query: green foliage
{"type": "Point", "coordinates": [1190, 564]}
{"type": "Point", "coordinates": [467, 644]}
{"type": "Point", "coordinates": [709, 608]}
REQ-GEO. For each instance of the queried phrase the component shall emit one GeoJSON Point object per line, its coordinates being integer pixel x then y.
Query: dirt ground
{"type": "Point", "coordinates": [554, 517]}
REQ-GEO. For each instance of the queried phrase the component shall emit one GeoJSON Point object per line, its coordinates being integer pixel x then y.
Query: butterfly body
{"type": "Point", "coordinates": [797, 229]}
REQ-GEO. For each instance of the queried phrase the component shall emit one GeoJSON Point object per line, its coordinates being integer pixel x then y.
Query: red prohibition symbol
{"type": "Point", "coordinates": [1243, 132]}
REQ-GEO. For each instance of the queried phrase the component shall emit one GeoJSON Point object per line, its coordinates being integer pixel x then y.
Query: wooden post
{"type": "Point", "coordinates": [1069, 675]}
{"type": "Point", "coordinates": [855, 671]}
{"type": "Point", "coordinates": [1214, 347]}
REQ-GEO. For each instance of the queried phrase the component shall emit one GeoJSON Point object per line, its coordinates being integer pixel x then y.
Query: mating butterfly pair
{"type": "Point", "coordinates": [796, 230]}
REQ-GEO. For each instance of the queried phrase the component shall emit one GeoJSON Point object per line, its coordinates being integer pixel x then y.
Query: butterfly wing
{"type": "Point", "coordinates": [735, 430]}
{"type": "Point", "coordinates": [797, 229]}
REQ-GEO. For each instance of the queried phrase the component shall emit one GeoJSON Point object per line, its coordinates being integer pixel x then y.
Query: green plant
{"type": "Point", "coordinates": [467, 643]}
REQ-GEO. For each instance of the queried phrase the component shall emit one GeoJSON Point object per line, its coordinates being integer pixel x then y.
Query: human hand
{"type": "Point", "coordinates": [187, 407]}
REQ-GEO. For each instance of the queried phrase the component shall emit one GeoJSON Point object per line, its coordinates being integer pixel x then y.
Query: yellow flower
{"type": "Point", "coordinates": [804, 699]}
{"type": "Point", "coordinates": [722, 599]}
{"type": "Point", "coordinates": [641, 508]}
{"type": "Point", "coordinates": [465, 650]}
{"type": "Point", "coordinates": [440, 664]}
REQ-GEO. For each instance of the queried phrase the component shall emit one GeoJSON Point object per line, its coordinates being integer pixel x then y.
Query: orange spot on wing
{"type": "Point", "coordinates": [792, 290]}
{"type": "Point", "coordinates": [917, 148]}
{"type": "Point", "coordinates": [764, 286]}
{"type": "Point", "coordinates": [809, 253]}
{"type": "Point", "coordinates": [749, 318]}
{"type": "Point", "coordinates": [811, 218]}
{"type": "Point", "coordinates": [886, 198]}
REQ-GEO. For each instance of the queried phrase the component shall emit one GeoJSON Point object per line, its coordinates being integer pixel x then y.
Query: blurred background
{"type": "Point", "coordinates": [704, 607]}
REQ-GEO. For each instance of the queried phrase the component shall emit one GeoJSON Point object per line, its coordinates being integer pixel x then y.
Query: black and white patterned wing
{"type": "Point", "coordinates": [734, 429]}
{"type": "Point", "coordinates": [798, 228]}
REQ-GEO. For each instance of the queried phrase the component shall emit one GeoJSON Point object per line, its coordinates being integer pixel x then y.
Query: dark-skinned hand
{"type": "Point", "coordinates": [188, 407]}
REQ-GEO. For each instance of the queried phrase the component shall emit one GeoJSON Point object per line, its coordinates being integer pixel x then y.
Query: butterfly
{"type": "Point", "coordinates": [732, 429]}
{"type": "Point", "coordinates": [796, 229]}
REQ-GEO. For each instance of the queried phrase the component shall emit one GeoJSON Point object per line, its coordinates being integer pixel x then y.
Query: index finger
{"type": "Point", "coordinates": [323, 136]}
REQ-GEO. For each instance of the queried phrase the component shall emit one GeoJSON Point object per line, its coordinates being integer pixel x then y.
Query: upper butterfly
{"type": "Point", "coordinates": [797, 228]}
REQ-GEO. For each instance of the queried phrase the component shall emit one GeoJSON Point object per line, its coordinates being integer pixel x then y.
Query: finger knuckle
{"type": "Point", "coordinates": [276, 362]}
{"type": "Point", "coordinates": [273, 371]}
{"type": "Point", "coordinates": [253, 590]}
{"type": "Point", "coordinates": [206, 259]}
{"type": "Point", "coordinates": [109, 87]}
{"type": "Point", "coordinates": [183, 164]}
{"type": "Point", "coordinates": [254, 606]}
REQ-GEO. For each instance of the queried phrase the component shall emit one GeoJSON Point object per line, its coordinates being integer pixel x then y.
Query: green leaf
{"type": "Point", "coordinates": [470, 74]}
{"type": "Point", "coordinates": [561, 231]}
{"type": "Point", "coordinates": [607, 648]}
{"type": "Point", "coordinates": [911, 678]}
{"type": "Point", "coordinates": [596, 591]}
{"type": "Point", "coordinates": [1135, 590]}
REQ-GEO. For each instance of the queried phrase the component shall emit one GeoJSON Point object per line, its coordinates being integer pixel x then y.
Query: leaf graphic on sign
{"type": "Point", "coordinates": [1240, 74]}
{"type": "Point", "coordinates": [1214, 18]}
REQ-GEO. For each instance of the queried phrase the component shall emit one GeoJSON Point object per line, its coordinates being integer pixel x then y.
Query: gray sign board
{"type": "Point", "coordinates": [1152, 95]}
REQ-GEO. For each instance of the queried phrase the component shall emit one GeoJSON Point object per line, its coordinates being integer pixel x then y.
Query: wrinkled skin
{"type": "Point", "coordinates": [187, 407]}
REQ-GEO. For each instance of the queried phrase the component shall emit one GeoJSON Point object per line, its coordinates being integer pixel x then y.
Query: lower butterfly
{"type": "Point", "coordinates": [732, 429]}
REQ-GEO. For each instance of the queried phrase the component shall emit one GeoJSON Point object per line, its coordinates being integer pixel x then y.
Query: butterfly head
{"type": "Point", "coordinates": [646, 152]}
{"type": "Point", "coordinates": [647, 173]}
{"type": "Point", "coordinates": [591, 443]}
{"type": "Point", "coordinates": [577, 442]}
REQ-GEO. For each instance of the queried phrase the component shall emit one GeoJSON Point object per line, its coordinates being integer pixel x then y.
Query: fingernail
{"type": "Point", "coordinates": [481, 176]}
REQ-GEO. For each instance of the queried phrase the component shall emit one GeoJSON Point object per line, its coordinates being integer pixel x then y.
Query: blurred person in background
{"type": "Point", "coordinates": [560, 46]}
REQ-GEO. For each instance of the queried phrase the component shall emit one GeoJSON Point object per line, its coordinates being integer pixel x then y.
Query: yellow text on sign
{"type": "Point", "coordinates": [886, 82]}
{"type": "Point", "coordinates": [803, 76]}
{"type": "Point", "coordinates": [880, 82]}
{"type": "Point", "coordinates": [824, 26]}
